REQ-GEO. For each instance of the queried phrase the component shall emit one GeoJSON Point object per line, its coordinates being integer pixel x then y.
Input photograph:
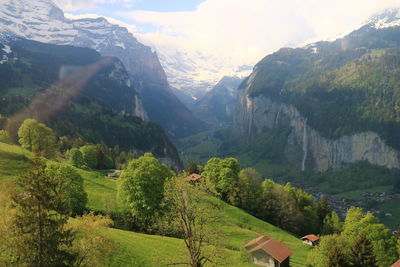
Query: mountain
{"type": "Point", "coordinates": [218, 105]}
{"type": "Point", "coordinates": [191, 71]}
{"type": "Point", "coordinates": [43, 21]}
{"type": "Point", "coordinates": [333, 103]}
{"type": "Point", "coordinates": [79, 94]}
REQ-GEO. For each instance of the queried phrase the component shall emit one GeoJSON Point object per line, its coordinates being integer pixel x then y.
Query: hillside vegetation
{"type": "Point", "coordinates": [134, 249]}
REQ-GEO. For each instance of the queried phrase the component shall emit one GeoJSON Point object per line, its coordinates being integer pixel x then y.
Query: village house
{"type": "Point", "coordinates": [193, 178]}
{"type": "Point", "coordinates": [115, 174]}
{"type": "Point", "coordinates": [311, 240]}
{"type": "Point", "coordinates": [396, 264]}
{"type": "Point", "coordinates": [268, 252]}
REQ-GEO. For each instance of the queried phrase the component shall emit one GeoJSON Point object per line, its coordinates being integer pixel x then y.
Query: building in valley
{"type": "Point", "coordinates": [268, 252]}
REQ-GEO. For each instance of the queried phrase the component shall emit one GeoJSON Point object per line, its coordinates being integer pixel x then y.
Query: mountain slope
{"type": "Point", "coordinates": [43, 21]}
{"type": "Point", "coordinates": [78, 93]}
{"type": "Point", "coordinates": [236, 226]}
{"type": "Point", "coordinates": [218, 105]}
{"type": "Point", "coordinates": [339, 98]}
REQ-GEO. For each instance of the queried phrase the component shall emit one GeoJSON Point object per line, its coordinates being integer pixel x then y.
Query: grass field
{"type": "Point", "coordinates": [135, 249]}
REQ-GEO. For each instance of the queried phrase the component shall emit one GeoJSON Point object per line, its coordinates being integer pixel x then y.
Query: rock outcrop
{"type": "Point", "coordinates": [314, 152]}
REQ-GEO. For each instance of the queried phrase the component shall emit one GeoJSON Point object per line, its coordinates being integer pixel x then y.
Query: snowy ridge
{"type": "Point", "coordinates": [192, 71]}
{"type": "Point", "coordinates": [389, 18]}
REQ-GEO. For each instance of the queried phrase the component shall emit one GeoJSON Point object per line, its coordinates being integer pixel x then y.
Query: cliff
{"type": "Point", "coordinates": [306, 149]}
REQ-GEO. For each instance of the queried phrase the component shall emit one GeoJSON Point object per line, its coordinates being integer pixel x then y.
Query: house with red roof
{"type": "Point", "coordinates": [396, 264]}
{"type": "Point", "coordinates": [268, 252]}
{"type": "Point", "coordinates": [193, 178]}
{"type": "Point", "coordinates": [311, 240]}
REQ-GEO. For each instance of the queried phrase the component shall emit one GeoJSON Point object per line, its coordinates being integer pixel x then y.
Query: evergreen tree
{"type": "Point", "coordinates": [362, 253]}
{"type": "Point", "coordinates": [323, 209]}
{"type": "Point", "coordinates": [39, 227]}
{"type": "Point", "coordinates": [193, 168]}
{"type": "Point", "coordinates": [332, 224]}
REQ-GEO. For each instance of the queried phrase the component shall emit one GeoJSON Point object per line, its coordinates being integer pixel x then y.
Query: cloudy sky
{"type": "Point", "coordinates": [241, 31]}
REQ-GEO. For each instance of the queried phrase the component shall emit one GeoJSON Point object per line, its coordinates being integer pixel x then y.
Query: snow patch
{"type": "Point", "coordinates": [7, 49]}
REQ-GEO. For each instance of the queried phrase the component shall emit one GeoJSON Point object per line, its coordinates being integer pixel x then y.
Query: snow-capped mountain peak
{"type": "Point", "coordinates": [387, 19]}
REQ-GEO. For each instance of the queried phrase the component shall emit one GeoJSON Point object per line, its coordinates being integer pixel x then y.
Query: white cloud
{"type": "Point", "coordinates": [246, 30]}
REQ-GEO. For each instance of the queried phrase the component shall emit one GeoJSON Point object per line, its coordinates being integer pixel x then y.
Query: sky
{"type": "Point", "coordinates": [239, 31]}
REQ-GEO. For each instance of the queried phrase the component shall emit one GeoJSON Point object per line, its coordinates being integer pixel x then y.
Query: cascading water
{"type": "Point", "coordinates": [305, 146]}
{"type": "Point", "coordinates": [277, 116]}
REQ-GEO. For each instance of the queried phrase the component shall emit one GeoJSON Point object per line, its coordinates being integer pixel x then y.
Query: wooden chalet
{"type": "Point", "coordinates": [268, 252]}
{"type": "Point", "coordinates": [193, 178]}
{"type": "Point", "coordinates": [311, 240]}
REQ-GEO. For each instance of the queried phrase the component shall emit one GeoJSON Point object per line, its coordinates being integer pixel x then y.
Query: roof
{"type": "Point", "coordinates": [193, 177]}
{"type": "Point", "coordinates": [274, 248]}
{"type": "Point", "coordinates": [396, 264]}
{"type": "Point", "coordinates": [257, 241]}
{"type": "Point", "coordinates": [312, 238]}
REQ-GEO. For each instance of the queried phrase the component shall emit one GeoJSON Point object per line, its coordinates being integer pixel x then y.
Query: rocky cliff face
{"type": "Point", "coordinates": [306, 148]}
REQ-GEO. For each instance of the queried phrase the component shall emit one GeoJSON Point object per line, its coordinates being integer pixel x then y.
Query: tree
{"type": "Point", "coordinates": [323, 209]}
{"type": "Point", "coordinates": [8, 242]}
{"type": "Point", "coordinates": [336, 257]}
{"type": "Point", "coordinates": [37, 138]}
{"type": "Point", "coordinates": [92, 246]}
{"type": "Point", "coordinates": [250, 190]}
{"type": "Point", "coordinates": [221, 176]}
{"type": "Point", "coordinates": [382, 239]}
{"type": "Point", "coordinates": [89, 155]}
{"type": "Point", "coordinates": [194, 220]}
{"type": "Point", "coordinates": [362, 253]}
{"type": "Point", "coordinates": [76, 157]}
{"type": "Point", "coordinates": [39, 222]}
{"type": "Point", "coordinates": [328, 253]}
{"type": "Point", "coordinates": [193, 168]}
{"type": "Point", "coordinates": [68, 188]}
{"type": "Point", "coordinates": [5, 137]}
{"type": "Point", "coordinates": [332, 224]}
{"type": "Point", "coordinates": [141, 189]}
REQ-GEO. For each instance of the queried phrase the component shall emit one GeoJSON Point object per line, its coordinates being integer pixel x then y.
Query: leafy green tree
{"type": "Point", "coordinates": [332, 224]}
{"type": "Point", "coordinates": [91, 245]}
{"type": "Point", "coordinates": [221, 176]}
{"type": "Point", "coordinates": [250, 190]}
{"type": "Point", "coordinates": [68, 188]}
{"type": "Point", "coordinates": [76, 157]}
{"type": "Point", "coordinates": [336, 257]}
{"type": "Point", "coordinates": [362, 253]}
{"type": "Point", "coordinates": [194, 220]}
{"type": "Point", "coordinates": [37, 138]}
{"type": "Point", "coordinates": [39, 223]}
{"type": "Point", "coordinates": [89, 154]}
{"type": "Point", "coordinates": [383, 242]}
{"type": "Point", "coordinates": [141, 189]}
{"type": "Point", "coordinates": [5, 137]}
{"type": "Point", "coordinates": [329, 251]}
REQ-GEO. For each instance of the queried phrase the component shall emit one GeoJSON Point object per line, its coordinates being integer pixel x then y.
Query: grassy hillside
{"type": "Point", "coordinates": [134, 249]}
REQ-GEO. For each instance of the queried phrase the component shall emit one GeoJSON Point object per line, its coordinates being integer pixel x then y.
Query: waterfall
{"type": "Point", "coordinates": [305, 146]}
{"type": "Point", "coordinates": [277, 116]}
